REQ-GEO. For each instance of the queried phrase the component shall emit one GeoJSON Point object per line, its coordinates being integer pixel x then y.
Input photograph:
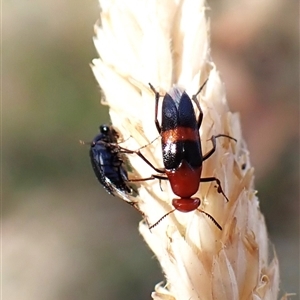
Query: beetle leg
{"type": "Point", "coordinates": [138, 152]}
{"type": "Point", "coordinates": [213, 140]}
{"type": "Point", "coordinates": [156, 107]}
{"type": "Point", "coordinates": [219, 187]}
{"type": "Point", "coordinates": [149, 178]}
{"type": "Point", "coordinates": [194, 98]}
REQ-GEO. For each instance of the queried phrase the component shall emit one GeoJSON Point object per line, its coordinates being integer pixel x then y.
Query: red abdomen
{"type": "Point", "coordinates": [184, 180]}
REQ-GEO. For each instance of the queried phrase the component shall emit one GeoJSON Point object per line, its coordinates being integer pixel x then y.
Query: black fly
{"type": "Point", "coordinates": [107, 162]}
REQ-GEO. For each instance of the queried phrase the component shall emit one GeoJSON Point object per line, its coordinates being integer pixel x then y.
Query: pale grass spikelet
{"type": "Point", "coordinates": [166, 43]}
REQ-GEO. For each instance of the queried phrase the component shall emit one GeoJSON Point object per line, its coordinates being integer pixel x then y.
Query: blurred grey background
{"type": "Point", "coordinates": [63, 237]}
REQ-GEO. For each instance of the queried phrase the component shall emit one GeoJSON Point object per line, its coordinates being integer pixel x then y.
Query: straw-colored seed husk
{"type": "Point", "coordinates": [167, 43]}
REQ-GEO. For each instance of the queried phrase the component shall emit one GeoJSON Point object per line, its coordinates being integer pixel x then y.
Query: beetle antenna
{"type": "Point", "coordinates": [211, 217]}
{"type": "Point", "coordinates": [155, 224]}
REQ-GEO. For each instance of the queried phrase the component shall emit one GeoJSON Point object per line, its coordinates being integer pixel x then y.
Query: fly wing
{"type": "Point", "coordinates": [96, 157]}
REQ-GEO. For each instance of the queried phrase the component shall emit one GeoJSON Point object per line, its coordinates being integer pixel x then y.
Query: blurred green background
{"type": "Point", "coordinates": [63, 237]}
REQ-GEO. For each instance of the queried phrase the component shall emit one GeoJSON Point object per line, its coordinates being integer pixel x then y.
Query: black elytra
{"type": "Point", "coordinates": [179, 131]}
{"type": "Point", "coordinates": [181, 147]}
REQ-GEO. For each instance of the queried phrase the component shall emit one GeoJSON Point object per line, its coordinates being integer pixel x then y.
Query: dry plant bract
{"type": "Point", "coordinates": [166, 43]}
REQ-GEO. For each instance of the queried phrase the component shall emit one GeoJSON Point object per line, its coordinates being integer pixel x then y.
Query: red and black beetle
{"type": "Point", "coordinates": [181, 149]}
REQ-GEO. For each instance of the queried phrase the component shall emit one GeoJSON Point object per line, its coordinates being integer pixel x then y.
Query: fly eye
{"type": "Point", "coordinates": [104, 129]}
